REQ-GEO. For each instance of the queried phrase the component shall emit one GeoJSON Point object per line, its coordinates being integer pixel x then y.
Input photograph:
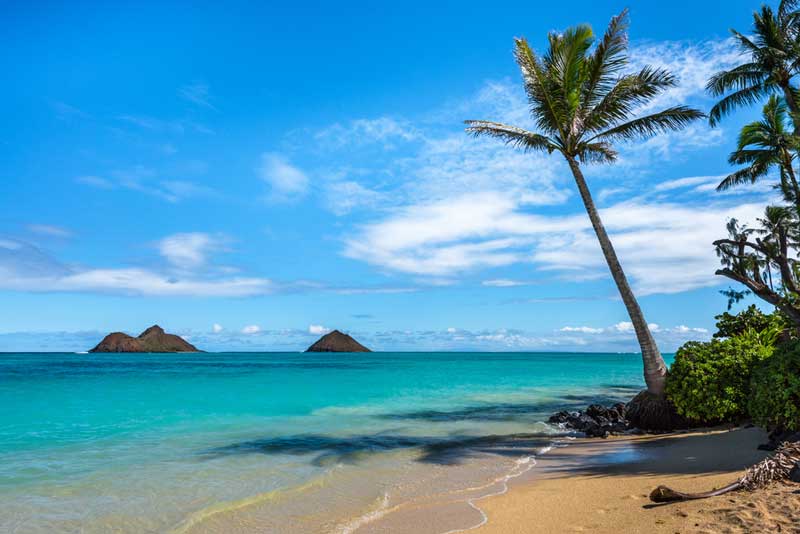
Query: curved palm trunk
{"type": "Point", "coordinates": [655, 370]}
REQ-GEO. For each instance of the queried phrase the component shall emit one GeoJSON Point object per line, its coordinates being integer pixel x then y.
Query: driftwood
{"type": "Point", "coordinates": [774, 468]}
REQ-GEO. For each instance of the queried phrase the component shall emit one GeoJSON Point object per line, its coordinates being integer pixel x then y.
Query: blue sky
{"type": "Point", "coordinates": [250, 176]}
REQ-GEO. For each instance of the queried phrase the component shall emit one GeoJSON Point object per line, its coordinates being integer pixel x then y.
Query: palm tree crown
{"type": "Point", "coordinates": [764, 145]}
{"type": "Point", "coordinates": [773, 59]}
{"type": "Point", "coordinates": [580, 100]}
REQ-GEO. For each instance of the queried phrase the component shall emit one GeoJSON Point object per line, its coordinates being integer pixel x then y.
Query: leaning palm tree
{"type": "Point", "coordinates": [582, 102]}
{"type": "Point", "coordinates": [764, 145]}
{"type": "Point", "coordinates": [772, 59]}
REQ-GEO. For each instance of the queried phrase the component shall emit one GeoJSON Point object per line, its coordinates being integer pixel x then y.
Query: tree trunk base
{"type": "Point", "coordinates": [650, 412]}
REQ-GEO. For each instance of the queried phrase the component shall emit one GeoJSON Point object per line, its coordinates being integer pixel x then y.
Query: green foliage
{"type": "Point", "coordinates": [729, 325]}
{"type": "Point", "coordinates": [775, 397]}
{"type": "Point", "coordinates": [710, 382]}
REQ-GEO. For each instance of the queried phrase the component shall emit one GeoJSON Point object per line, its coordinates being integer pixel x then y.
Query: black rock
{"type": "Point", "coordinates": [776, 437]}
{"type": "Point", "coordinates": [794, 474]}
{"type": "Point", "coordinates": [596, 421]}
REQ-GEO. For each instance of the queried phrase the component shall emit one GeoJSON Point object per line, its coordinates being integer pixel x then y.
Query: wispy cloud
{"type": "Point", "coordinates": [49, 230]}
{"type": "Point", "coordinates": [198, 94]}
{"type": "Point", "coordinates": [318, 330]}
{"type": "Point", "coordinates": [146, 180]}
{"type": "Point", "coordinates": [190, 250]}
{"type": "Point", "coordinates": [286, 181]}
{"type": "Point", "coordinates": [384, 131]}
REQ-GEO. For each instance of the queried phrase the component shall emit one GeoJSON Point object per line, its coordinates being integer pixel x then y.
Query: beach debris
{"type": "Point", "coordinates": [596, 421]}
{"type": "Point", "coordinates": [779, 466]}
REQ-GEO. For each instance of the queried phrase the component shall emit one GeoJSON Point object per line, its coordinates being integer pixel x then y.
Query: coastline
{"type": "Point", "coordinates": [602, 486]}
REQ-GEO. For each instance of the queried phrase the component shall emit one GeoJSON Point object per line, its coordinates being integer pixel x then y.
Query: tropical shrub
{"type": "Point", "coordinates": [730, 325]}
{"type": "Point", "coordinates": [710, 382]}
{"type": "Point", "coordinates": [775, 389]}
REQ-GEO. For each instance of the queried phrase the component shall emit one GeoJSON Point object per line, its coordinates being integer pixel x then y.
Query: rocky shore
{"type": "Point", "coordinates": [596, 421]}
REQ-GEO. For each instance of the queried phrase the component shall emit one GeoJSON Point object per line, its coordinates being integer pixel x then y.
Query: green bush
{"type": "Point", "coordinates": [729, 325]}
{"type": "Point", "coordinates": [709, 383]}
{"type": "Point", "coordinates": [775, 387]}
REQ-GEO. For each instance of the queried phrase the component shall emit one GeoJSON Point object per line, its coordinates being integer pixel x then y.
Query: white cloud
{"type": "Point", "coordinates": [504, 282]}
{"type": "Point", "coordinates": [286, 181]}
{"type": "Point", "coordinates": [197, 93]}
{"type": "Point", "coordinates": [489, 229]}
{"type": "Point", "coordinates": [251, 329]}
{"type": "Point", "coordinates": [345, 196]}
{"type": "Point", "coordinates": [145, 180]}
{"type": "Point", "coordinates": [217, 328]}
{"type": "Point", "coordinates": [189, 250]}
{"type": "Point", "coordinates": [582, 329]}
{"type": "Point", "coordinates": [692, 63]}
{"type": "Point", "coordinates": [95, 181]}
{"type": "Point", "coordinates": [691, 181]}
{"type": "Point", "coordinates": [318, 330]}
{"type": "Point", "coordinates": [385, 131]}
{"type": "Point", "coordinates": [49, 230]}
{"type": "Point", "coordinates": [24, 267]}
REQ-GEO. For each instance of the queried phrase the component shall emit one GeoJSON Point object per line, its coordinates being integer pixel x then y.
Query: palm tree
{"type": "Point", "coordinates": [581, 102]}
{"type": "Point", "coordinates": [773, 59]}
{"type": "Point", "coordinates": [764, 145]}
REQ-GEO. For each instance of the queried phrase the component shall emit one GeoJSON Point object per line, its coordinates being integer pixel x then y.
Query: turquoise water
{"type": "Point", "coordinates": [272, 442]}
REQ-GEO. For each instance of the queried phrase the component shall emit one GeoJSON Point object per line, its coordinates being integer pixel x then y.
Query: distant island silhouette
{"type": "Point", "coordinates": [337, 342]}
{"type": "Point", "coordinates": [154, 339]}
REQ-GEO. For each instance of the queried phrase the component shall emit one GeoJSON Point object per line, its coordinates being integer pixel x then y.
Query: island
{"type": "Point", "coordinates": [154, 339]}
{"type": "Point", "coordinates": [337, 342]}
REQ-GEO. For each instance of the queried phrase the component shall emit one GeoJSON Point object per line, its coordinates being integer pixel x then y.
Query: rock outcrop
{"type": "Point", "coordinates": [337, 342]}
{"type": "Point", "coordinates": [154, 339]}
{"type": "Point", "coordinates": [596, 422]}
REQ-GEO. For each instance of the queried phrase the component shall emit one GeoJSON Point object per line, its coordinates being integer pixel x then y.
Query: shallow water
{"type": "Point", "coordinates": [273, 442]}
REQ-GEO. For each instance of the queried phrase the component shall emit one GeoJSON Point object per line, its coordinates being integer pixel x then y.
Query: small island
{"type": "Point", "coordinates": [154, 339]}
{"type": "Point", "coordinates": [337, 342]}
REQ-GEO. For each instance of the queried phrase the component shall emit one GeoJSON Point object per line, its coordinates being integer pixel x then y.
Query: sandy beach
{"type": "Point", "coordinates": [602, 486]}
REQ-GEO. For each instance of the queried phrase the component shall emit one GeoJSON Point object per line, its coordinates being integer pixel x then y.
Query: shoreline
{"type": "Point", "coordinates": [602, 485]}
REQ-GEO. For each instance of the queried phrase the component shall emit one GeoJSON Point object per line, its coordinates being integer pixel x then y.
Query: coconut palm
{"type": "Point", "coordinates": [764, 145]}
{"type": "Point", "coordinates": [772, 60]}
{"type": "Point", "coordinates": [582, 102]}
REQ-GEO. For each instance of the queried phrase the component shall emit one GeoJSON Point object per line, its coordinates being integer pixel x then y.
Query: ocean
{"type": "Point", "coordinates": [277, 442]}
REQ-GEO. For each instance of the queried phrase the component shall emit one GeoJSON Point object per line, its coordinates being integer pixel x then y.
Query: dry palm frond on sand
{"type": "Point", "coordinates": [774, 468]}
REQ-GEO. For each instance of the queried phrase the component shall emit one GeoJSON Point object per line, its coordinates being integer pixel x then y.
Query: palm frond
{"type": "Point", "coordinates": [735, 79]}
{"type": "Point", "coordinates": [628, 93]}
{"type": "Point", "coordinates": [544, 108]}
{"type": "Point", "coordinates": [596, 153]}
{"type": "Point", "coordinates": [511, 135]}
{"type": "Point", "coordinates": [740, 98]}
{"type": "Point", "coordinates": [607, 60]}
{"type": "Point", "coordinates": [670, 119]}
{"type": "Point", "coordinates": [748, 175]}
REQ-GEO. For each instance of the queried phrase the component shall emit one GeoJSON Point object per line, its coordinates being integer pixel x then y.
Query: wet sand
{"type": "Point", "coordinates": [602, 486]}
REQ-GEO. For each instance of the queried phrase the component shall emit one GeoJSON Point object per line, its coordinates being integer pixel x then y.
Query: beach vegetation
{"type": "Point", "coordinates": [763, 258]}
{"type": "Point", "coordinates": [709, 383]}
{"type": "Point", "coordinates": [775, 389]}
{"type": "Point", "coordinates": [583, 99]}
{"type": "Point", "coordinates": [751, 318]}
